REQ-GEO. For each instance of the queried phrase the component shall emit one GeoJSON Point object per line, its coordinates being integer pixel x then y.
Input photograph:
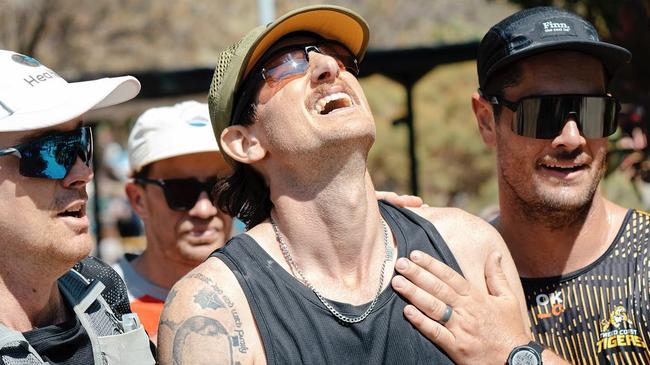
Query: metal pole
{"type": "Point", "coordinates": [266, 11]}
{"type": "Point", "coordinates": [411, 134]}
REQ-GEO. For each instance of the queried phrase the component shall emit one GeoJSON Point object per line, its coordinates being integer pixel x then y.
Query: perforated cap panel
{"type": "Point", "coordinates": [329, 21]}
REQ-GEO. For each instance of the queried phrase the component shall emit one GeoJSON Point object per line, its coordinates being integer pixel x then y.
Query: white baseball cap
{"type": "Point", "coordinates": [170, 131]}
{"type": "Point", "coordinates": [33, 97]}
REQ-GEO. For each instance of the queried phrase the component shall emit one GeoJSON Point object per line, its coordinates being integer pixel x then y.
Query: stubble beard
{"type": "Point", "coordinates": [543, 206]}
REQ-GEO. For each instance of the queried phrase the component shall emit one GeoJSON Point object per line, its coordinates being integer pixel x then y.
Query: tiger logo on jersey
{"type": "Point", "coordinates": [618, 331]}
{"type": "Point", "coordinates": [617, 317]}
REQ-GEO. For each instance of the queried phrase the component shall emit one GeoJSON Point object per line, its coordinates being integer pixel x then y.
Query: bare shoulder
{"type": "Point", "coordinates": [470, 238]}
{"type": "Point", "coordinates": [463, 230]}
{"type": "Point", "coordinates": [206, 319]}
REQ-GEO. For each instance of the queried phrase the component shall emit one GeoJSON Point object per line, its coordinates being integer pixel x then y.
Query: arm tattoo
{"type": "Point", "coordinates": [170, 298]}
{"type": "Point", "coordinates": [202, 331]}
{"type": "Point", "coordinates": [207, 298]}
{"type": "Point", "coordinates": [201, 277]}
{"type": "Point", "coordinates": [169, 324]}
{"type": "Point", "coordinates": [200, 336]}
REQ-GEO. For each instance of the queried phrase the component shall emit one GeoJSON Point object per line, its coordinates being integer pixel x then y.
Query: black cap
{"type": "Point", "coordinates": [542, 29]}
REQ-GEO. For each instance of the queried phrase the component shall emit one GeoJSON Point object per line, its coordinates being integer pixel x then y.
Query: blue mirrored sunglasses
{"type": "Point", "coordinates": [52, 156]}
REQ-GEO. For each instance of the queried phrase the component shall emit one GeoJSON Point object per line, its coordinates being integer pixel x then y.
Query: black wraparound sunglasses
{"type": "Point", "coordinates": [544, 116]}
{"type": "Point", "coordinates": [181, 194]}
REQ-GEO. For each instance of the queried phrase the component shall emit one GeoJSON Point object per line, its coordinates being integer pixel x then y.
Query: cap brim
{"type": "Point", "coordinates": [57, 106]}
{"type": "Point", "coordinates": [331, 22]}
{"type": "Point", "coordinates": [170, 153]}
{"type": "Point", "coordinates": [235, 63]}
{"type": "Point", "coordinates": [612, 56]}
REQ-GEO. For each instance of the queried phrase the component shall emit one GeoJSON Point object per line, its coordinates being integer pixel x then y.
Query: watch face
{"type": "Point", "coordinates": [524, 356]}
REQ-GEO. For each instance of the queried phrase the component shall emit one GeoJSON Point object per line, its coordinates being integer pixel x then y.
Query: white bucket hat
{"type": "Point", "coordinates": [33, 97]}
{"type": "Point", "coordinates": [170, 131]}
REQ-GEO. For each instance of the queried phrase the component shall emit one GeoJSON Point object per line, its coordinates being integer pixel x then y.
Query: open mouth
{"type": "Point", "coordinates": [564, 168]}
{"type": "Point", "coordinates": [75, 212]}
{"type": "Point", "coordinates": [333, 102]}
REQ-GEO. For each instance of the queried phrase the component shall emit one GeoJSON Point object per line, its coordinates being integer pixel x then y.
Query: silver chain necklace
{"type": "Point", "coordinates": [287, 256]}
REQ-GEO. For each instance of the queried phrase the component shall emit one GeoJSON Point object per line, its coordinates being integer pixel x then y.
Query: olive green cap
{"type": "Point", "coordinates": [236, 62]}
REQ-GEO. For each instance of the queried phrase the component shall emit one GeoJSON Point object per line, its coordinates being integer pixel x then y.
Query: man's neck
{"type": "Point", "coordinates": [30, 301]}
{"type": "Point", "coordinates": [148, 265]}
{"type": "Point", "coordinates": [334, 234]}
{"type": "Point", "coordinates": [540, 250]}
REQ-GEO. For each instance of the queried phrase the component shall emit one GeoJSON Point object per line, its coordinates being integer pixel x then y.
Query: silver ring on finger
{"type": "Point", "coordinates": [445, 316]}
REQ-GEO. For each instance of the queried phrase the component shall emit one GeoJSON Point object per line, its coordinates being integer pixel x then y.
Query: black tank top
{"type": "Point", "coordinates": [599, 314]}
{"type": "Point", "coordinates": [62, 344]}
{"type": "Point", "coordinates": [296, 328]}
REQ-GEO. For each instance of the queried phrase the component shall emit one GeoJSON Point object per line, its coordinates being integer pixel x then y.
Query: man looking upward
{"type": "Point", "coordinates": [308, 283]}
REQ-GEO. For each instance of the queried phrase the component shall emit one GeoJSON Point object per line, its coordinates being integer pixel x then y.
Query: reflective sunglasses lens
{"type": "Point", "coordinates": [86, 146]}
{"type": "Point", "coordinates": [46, 161]}
{"type": "Point", "coordinates": [541, 118]}
{"type": "Point", "coordinates": [344, 57]}
{"type": "Point", "coordinates": [53, 156]}
{"type": "Point", "coordinates": [545, 117]}
{"type": "Point", "coordinates": [285, 65]}
{"type": "Point", "coordinates": [182, 194]}
{"type": "Point", "coordinates": [295, 62]}
{"type": "Point", "coordinates": [598, 116]}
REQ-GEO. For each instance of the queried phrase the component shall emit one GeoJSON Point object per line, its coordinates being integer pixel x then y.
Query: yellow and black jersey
{"type": "Point", "coordinates": [599, 314]}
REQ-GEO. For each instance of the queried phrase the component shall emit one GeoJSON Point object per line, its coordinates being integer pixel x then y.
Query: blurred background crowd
{"type": "Point", "coordinates": [427, 141]}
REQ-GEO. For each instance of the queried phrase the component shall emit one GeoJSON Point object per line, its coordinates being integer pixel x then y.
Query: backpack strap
{"type": "Point", "coordinates": [115, 294]}
{"type": "Point", "coordinates": [86, 296]}
{"type": "Point", "coordinates": [94, 314]}
{"type": "Point", "coordinates": [14, 346]}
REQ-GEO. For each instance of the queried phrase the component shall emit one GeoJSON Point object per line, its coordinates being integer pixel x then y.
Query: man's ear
{"type": "Point", "coordinates": [135, 193]}
{"type": "Point", "coordinates": [241, 144]}
{"type": "Point", "coordinates": [485, 118]}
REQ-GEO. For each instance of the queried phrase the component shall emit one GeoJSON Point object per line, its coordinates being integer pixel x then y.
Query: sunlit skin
{"type": "Point", "coordinates": [180, 239]}
{"type": "Point", "coordinates": [552, 216]}
{"type": "Point", "coordinates": [295, 139]}
{"type": "Point", "coordinates": [535, 194]}
{"type": "Point", "coordinates": [324, 205]}
{"type": "Point", "coordinates": [293, 128]}
{"type": "Point", "coordinates": [526, 164]}
{"type": "Point", "coordinates": [38, 243]}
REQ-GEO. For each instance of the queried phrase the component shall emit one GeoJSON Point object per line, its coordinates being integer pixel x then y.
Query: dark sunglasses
{"type": "Point", "coordinates": [544, 116]}
{"type": "Point", "coordinates": [181, 194]}
{"type": "Point", "coordinates": [52, 156]}
{"type": "Point", "coordinates": [289, 62]}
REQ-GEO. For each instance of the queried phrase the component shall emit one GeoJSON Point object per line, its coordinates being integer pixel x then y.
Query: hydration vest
{"type": "Point", "coordinates": [116, 338]}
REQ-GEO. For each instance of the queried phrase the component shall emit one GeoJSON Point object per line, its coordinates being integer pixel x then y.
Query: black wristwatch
{"type": "Point", "coordinates": [530, 354]}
